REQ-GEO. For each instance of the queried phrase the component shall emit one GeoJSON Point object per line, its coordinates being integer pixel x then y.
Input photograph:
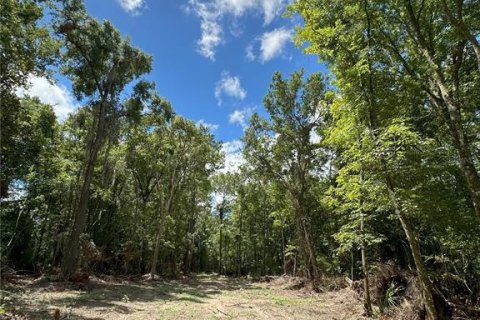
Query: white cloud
{"type": "Point", "coordinates": [249, 53]}
{"type": "Point", "coordinates": [211, 13]}
{"type": "Point", "coordinates": [211, 28]}
{"type": "Point", "coordinates": [240, 117]}
{"type": "Point", "coordinates": [237, 116]}
{"type": "Point", "coordinates": [230, 86]}
{"type": "Point", "coordinates": [271, 8]}
{"type": "Point", "coordinates": [233, 156]}
{"type": "Point", "coordinates": [133, 7]}
{"type": "Point", "coordinates": [55, 95]}
{"type": "Point", "coordinates": [211, 126]}
{"type": "Point", "coordinates": [272, 43]}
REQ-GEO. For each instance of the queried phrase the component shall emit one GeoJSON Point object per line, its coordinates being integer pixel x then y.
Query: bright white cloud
{"type": "Point", "coordinates": [211, 126]}
{"type": "Point", "coordinates": [132, 7]}
{"type": "Point", "coordinates": [229, 86]}
{"type": "Point", "coordinates": [209, 24]}
{"type": "Point", "coordinates": [211, 13]}
{"type": "Point", "coordinates": [233, 156]}
{"type": "Point", "coordinates": [241, 117]}
{"type": "Point", "coordinates": [272, 43]}
{"type": "Point", "coordinates": [55, 95]}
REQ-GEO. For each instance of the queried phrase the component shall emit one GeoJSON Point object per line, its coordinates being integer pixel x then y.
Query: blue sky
{"type": "Point", "coordinates": [188, 74]}
{"type": "Point", "coordinates": [213, 59]}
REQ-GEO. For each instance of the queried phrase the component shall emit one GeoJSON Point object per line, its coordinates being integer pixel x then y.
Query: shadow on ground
{"type": "Point", "coordinates": [39, 299]}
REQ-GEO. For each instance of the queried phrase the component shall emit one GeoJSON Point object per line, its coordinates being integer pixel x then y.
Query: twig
{"type": "Point", "coordinates": [222, 312]}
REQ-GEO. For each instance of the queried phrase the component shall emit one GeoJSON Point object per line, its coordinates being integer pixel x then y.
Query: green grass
{"type": "Point", "coordinates": [282, 301]}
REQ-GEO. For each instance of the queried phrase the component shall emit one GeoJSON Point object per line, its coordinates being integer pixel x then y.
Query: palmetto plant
{"type": "Point", "coordinates": [392, 296]}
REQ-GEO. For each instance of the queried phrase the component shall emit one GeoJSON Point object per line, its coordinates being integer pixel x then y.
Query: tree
{"type": "Point", "coordinates": [100, 64]}
{"type": "Point", "coordinates": [352, 37]}
{"type": "Point", "coordinates": [286, 150]}
{"type": "Point", "coordinates": [259, 222]}
{"type": "Point", "coordinates": [36, 176]}
{"type": "Point", "coordinates": [426, 45]}
{"type": "Point", "coordinates": [27, 50]}
{"type": "Point", "coordinates": [224, 196]}
{"type": "Point", "coordinates": [188, 157]}
{"type": "Point", "coordinates": [148, 145]}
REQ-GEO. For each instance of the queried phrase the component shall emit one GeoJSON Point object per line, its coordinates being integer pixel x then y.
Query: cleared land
{"type": "Point", "coordinates": [196, 297]}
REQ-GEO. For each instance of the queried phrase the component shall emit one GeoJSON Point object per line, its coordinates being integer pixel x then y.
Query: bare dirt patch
{"type": "Point", "coordinates": [197, 297]}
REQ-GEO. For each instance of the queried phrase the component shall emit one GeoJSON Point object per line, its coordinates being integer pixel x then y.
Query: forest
{"type": "Point", "coordinates": [365, 178]}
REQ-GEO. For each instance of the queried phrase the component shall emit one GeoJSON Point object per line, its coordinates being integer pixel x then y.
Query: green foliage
{"type": "Point", "coordinates": [336, 167]}
{"type": "Point", "coordinates": [27, 47]}
{"type": "Point", "coordinates": [27, 50]}
{"type": "Point", "coordinates": [392, 297]}
{"type": "Point", "coordinates": [401, 68]}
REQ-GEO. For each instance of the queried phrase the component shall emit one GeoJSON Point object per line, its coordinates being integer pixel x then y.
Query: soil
{"type": "Point", "coordinates": [194, 297]}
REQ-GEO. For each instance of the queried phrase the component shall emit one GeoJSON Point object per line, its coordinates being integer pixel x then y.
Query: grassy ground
{"type": "Point", "coordinates": [197, 297]}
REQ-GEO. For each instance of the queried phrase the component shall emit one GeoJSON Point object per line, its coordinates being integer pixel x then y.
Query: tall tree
{"type": "Point", "coordinates": [148, 146]}
{"type": "Point", "coordinates": [285, 147]}
{"type": "Point", "coordinates": [188, 157]}
{"type": "Point", "coordinates": [100, 64]}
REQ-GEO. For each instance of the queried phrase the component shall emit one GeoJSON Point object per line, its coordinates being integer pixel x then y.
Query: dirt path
{"type": "Point", "coordinates": [199, 297]}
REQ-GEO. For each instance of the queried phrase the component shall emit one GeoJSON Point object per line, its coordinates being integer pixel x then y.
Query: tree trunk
{"type": "Point", "coordinates": [161, 228]}
{"type": "Point", "coordinates": [426, 285]}
{"type": "Point", "coordinates": [308, 251]}
{"type": "Point", "coordinates": [367, 303]}
{"type": "Point", "coordinates": [240, 239]}
{"type": "Point", "coordinates": [225, 254]}
{"type": "Point", "coordinates": [187, 263]}
{"type": "Point", "coordinates": [72, 249]}
{"type": "Point", "coordinates": [295, 266]}
{"type": "Point", "coordinates": [220, 268]}
{"type": "Point", "coordinates": [352, 266]}
{"type": "Point", "coordinates": [283, 250]}
{"type": "Point", "coordinates": [39, 245]}
{"type": "Point", "coordinates": [264, 246]}
{"type": "Point", "coordinates": [255, 266]}
{"type": "Point", "coordinates": [165, 211]}
{"type": "Point", "coordinates": [237, 257]}
{"type": "Point", "coordinates": [175, 256]}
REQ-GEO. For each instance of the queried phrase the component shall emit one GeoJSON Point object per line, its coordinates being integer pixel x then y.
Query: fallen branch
{"type": "Point", "coordinates": [222, 312]}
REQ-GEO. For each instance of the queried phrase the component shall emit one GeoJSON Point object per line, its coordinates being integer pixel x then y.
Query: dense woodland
{"type": "Point", "coordinates": [371, 165]}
